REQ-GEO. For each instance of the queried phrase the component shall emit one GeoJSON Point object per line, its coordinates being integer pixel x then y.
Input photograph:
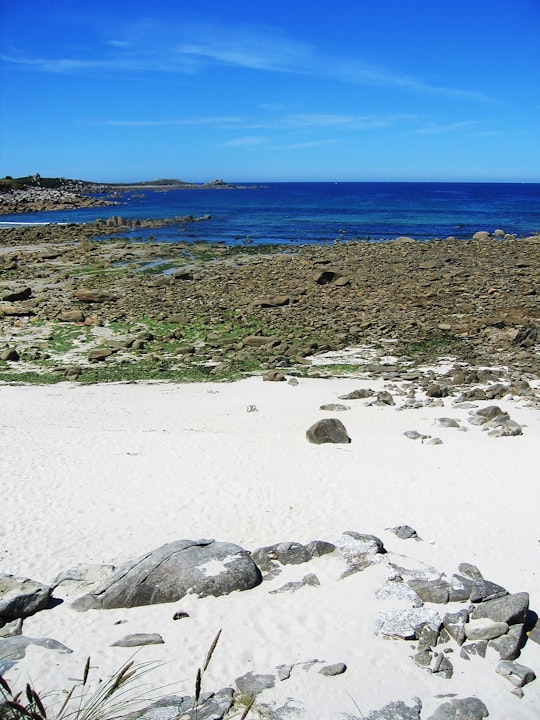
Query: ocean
{"type": "Point", "coordinates": [299, 213]}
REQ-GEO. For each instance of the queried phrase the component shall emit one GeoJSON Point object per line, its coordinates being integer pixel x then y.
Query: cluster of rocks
{"type": "Point", "coordinates": [490, 617]}
{"type": "Point", "coordinates": [36, 199]}
{"type": "Point", "coordinates": [475, 300]}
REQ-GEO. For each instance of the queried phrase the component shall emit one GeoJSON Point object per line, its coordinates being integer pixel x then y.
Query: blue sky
{"type": "Point", "coordinates": [280, 90]}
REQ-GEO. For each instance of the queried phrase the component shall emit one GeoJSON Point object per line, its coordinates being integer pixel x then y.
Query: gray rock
{"type": "Point", "coordinates": [21, 597]}
{"type": "Point", "coordinates": [510, 609]}
{"type": "Point", "coordinates": [484, 629]}
{"type": "Point", "coordinates": [490, 412]}
{"type": "Point", "coordinates": [10, 629]}
{"type": "Point", "coordinates": [404, 532]}
{"type": "Point", "coordinates": [406, 624]}
{"type": "Point", "coordinates": [81, 578]}
{"type": "Point", "coordinates": [252, 684]}
{"type": "Point", "coordinates": [331, 670]}
{"type": "Point", "coordinates": [396, 589]}
{"type": "Point", "coordinates": [414, 435]}
{"type": "Point", "coordinates": [284, 672]}
{"type": "Point", "coordinates": [211, 706]}
{"type": "Point", "coordinates": [334, 407]}
{"type": "Point", "coordinates": [201, 567]}
{"type": "Point", "coordinates": [447, 422]}
{"type": "Point", "coordinates": [14, 648]}
{"type": "Point", "coordinates": [476, 648]}
{"type": "Point", "coordinates": [483, 590]}
{"type": "Point", "coordinates": [384, 398]}
{"type": "Point", "coordinates": [506, 427]}
{"type": "Point", "coordinates": [317, 548]}
{"type": "Point", "coordinates": [423, 658]}
{"type": "Point", "coordinates": [330, 430]}
{"type": "Point", "coordinates": [461, 709]}
{"type": "Point", "coordinates": [442, 666]}
{"type": "Point", "coordinates": [460, 589]}
{"type": "Point", "coordinates": [397, 710]}
{"type": "Point", "coordinates": [357, 394]}
{"type": "Point", "coordinates": [435, 591]}
{"type": "Point", "coordinates": [518, 675]}
{"type": "Point", "coordinates": [139, 639]}
{"type": "Point", "coordinates": [428, 636]}
{"type": "Point", "coordinates": [359, 550]}
{"type": "Point", "coordinates": [509, 646]}
{"type": "Point", "coordinates": [310, 579]}
{"type": "Point", "coordinates": [470, 571]}
{"type": "Point", "coordinates": [454, 624]}
{"type": "Point", "coordinates": [285, 553]}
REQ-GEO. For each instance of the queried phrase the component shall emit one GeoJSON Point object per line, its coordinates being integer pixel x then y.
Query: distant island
{"type": "Point", "coordinates": [34, 193]}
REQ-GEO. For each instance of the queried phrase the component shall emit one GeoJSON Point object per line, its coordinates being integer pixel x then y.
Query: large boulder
{"type": "Point", "coordinates": [330, 430]}
{"type": "Point", "coordinates": [21, 597]}
{"type": "Point", "coordinates": [200, 567]}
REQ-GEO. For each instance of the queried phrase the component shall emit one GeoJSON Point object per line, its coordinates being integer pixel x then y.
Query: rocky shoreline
{"type": "Point", "coordinates": [73, 194]}
{"type": "Point", "coordinates": [177, 306]}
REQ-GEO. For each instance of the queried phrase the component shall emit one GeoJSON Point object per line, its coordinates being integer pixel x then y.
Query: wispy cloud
{"type": "Point", "coordinates": [248, 141]}
{"type": "Point", "coordinates": [439, 129]}
{"type": "Point", "coordinates": [223, 121]}
{"type": "Point", "coordinates": [288, 122]}
{"type": "Point", "coordinates": [303, 145]}
{"type": "Point", "coordinates": [150, 47]}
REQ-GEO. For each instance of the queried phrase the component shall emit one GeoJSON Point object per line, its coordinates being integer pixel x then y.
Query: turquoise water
{"type": "Point", "coordinates": [287, 213]}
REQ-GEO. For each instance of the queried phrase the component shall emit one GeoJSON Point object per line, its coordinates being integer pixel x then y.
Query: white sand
{"type": "Point", "coordinates": [102, 474]}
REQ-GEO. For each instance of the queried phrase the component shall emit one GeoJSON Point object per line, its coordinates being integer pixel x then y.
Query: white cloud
{"type": "Point", "coordinates": [172, 48]}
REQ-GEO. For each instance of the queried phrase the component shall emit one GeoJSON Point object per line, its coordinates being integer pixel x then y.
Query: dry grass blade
{"type": "Point", "coordinates": [86, 670]}
{"type": "Point", "coordinates": [211, 651]}
{"type": "Point", "coordinates": [198, 681]}
{"type": "Point", "coordinates": [248, 708]}
{"type": "Point", "coordinates": [64, 704]}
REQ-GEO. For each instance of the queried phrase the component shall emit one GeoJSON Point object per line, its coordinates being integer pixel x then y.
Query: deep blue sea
{"type": "Point", "coordinates": [286, 213]}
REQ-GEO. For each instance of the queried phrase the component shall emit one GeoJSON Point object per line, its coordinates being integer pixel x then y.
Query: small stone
{"type": "Point", "coordinates": [414, 435]}
{"type": "Point", "coordinates": [10, 355]}
{"type": "Point", "coordinates": [252, 684]}
{"type": "Point", "coordinates": [274, 376]}
{"type": "Point", "coordinates": [384, 398]}
{"type": "Point", "coordinates": [404, 532]}
{"type": "Point", "coordinates": [518, 675]}
{"type": "Point", "coordinates": [447, 422]}
{"type": "Point", "coordinates": [330, 430]}
{"type": "Point", "coordinates": [334, 407]}
{"type": "Point", "coordinates": [284, 672]}
{"type": "Point", "coordinates": [331, 670]}
{"type": "Point", "coordinates": [357, 394]}
{"type": "Point", "coordinates": [139, 639]}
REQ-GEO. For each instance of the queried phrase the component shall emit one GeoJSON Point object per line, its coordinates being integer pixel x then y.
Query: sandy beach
{"type": "Point", "coordinates": [101, 474]}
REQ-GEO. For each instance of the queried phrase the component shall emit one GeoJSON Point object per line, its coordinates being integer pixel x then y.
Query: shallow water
{"type": "Point", "coordinates": [285, 213]}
